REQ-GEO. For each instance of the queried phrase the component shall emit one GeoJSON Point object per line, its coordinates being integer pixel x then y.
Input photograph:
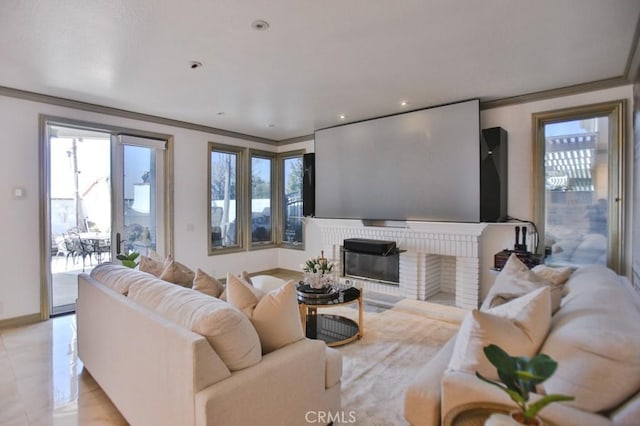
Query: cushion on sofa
{"type": "Point", "coordinates": [176, 273]}
{"type": "Point", "coordinates": [594, 338]}
{"type": "Point", "coordinates": [228, 331]}
{"type": "Point", "coordinates": [151, 265]}
{"type": "Point", "coordinates": [205, 283]}
{"type": "Point", "coordinates": [519, 327]}
{"type": "Point", "coordinates": [275, 316]}
{"type": "Point", "coordinates": [515, 280]}
{"type": "Point", "coordinates": [118, 277]}
{"type": "Point", "coordinates": [266, 283]}
{"type": "Point", "coordinates": [555, 275]}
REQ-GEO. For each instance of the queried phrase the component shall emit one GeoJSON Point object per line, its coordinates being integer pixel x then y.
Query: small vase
{"type": "Point", "coordinates": [499, 419]}
{"type": "Point", "coordinates": [314, 280]}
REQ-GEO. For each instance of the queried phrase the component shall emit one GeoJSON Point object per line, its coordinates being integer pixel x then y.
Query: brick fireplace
{"type": "Point", "coordinates": [438, 256]}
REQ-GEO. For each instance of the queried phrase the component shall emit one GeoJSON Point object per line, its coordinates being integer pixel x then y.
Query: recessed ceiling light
{"type": "Point", "coordinates": [404, 103]}
{"type": "Point", "coordinates": [342, 116]}
{"type": "Point", "coordinates": [195, 64]}
{"type": "Point", "coordinates": [260, 25]}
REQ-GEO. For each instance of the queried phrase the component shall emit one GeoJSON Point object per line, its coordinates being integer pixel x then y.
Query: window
{"type": "Point", "coordinates": [291, 200]}
{"type": "Point", "coordinates": [262, 193]}
{"type": "Point", "coordinates": [264, 203]}
{"type": "Point", "coordinates": [578, 179]}
{"type": "Point", "coordinates": [225, 198]}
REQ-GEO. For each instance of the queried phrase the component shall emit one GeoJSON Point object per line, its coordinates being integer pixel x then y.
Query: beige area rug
{"type": "Point", "coordinates": [378, 368]}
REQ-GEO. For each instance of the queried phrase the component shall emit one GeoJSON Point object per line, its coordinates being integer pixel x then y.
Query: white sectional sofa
{"type": "Point", "coordinates": [594, 336]}
{"type": "Point", "coordinates": [169, 355]}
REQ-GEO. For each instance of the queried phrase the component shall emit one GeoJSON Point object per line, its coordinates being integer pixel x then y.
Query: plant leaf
{"type": "Point", "coordinates": [505, 365]}
{"type": "Point", "coordinates": [534, 408]}
{"type": "Point", "coordinates": [129, 263]}
{"type": "Point", "coordinates": [542, 366]}
{"type": "Point", "coordinates": [514, 395]}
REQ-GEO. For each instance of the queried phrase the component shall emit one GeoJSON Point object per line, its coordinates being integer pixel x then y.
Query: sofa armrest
{"type": "Point", "coordinates": [281, 389]}
{"type": "Point", "coordinates": [460, 388]}
{"type": "Point", "coordinates": [119, 340]}
{"type": "Point", "coordinates": [422, 397]}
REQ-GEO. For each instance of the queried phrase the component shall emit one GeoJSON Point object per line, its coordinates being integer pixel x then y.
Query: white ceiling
{"type": "Point", "coordinates": [318, 59]}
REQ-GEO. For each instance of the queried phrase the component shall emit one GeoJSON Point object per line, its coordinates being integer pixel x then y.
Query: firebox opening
{"type": "Point", "coordinates": [373, 260]}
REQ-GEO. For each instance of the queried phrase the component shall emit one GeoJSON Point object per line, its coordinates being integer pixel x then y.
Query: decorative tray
{"type": "Point", "coordinates": [307, 292]}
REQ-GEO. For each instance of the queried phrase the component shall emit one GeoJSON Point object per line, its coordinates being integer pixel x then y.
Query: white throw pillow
{"type": "Point", "coordinates": [515, 280]}
{"type": "Point", "coordinates": [205, 283]}
{"type": "Point", "coordinates": [275, 316]}
{"type": "Point", "coordinates": [266, 283]}
{"type": "Point", "coordinates": [519, 327]}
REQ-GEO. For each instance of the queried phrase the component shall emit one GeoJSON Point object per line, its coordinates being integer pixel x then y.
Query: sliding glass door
{"type": "Point", "coordinates": [104, 194]}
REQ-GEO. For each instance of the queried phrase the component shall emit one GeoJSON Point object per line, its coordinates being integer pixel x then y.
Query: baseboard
{"type": "Point", "coordinates": [20, 321]}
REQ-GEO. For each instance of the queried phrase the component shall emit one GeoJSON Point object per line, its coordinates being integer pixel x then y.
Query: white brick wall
{"type": "Point", "coordinates": [438, 257]}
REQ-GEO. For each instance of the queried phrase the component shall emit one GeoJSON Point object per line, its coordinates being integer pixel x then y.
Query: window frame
{"type": "Point", "coordinates": [615, 111]}
{"type": "Point", "coordinates": [273, 157]}
{"type": "Point", "coordinates": [281, 197]}
{"type": "Point", "coordinates": [244, 198]}
{"type": "Point", "coordinates": [240, 153]}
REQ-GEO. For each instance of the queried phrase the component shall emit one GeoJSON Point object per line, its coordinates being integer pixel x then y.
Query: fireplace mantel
{"type": "Point", "coordinates": [438, 255]}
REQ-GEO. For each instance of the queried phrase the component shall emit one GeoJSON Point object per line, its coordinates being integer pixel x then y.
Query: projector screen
{"type": "Point", "coordinates": [421, 165]}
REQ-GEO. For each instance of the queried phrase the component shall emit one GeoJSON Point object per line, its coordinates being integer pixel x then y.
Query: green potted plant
{"type": "Point", "coordinates": [128, 260]}
{"type": "Point", "coordinates": [519, 376]}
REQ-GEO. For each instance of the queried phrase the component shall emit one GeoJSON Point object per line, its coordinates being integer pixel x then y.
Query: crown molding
{"type": "Point", "coordinates": [297, 139]}
{"type": "Point", "coordinates": [632, 70]}
{"type": "Point", "coordinates": [85, 106]}
{"type": "Point", "coordinates": [633, 63]}
{"type": "Point", "coordinates": [556, 93]}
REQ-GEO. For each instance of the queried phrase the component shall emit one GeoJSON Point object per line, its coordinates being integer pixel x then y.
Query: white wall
{"type": "Point", "coordinates": [19, 252]}
{"type": "Point", "coordinates": [20, 283]}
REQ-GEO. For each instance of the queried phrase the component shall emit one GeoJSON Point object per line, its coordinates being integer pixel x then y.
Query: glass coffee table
{"type": "Point", "coordinates": [334, 330]}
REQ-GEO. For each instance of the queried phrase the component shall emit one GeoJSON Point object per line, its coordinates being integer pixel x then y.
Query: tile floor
{"type": "Point", "coordinates": [42, 381]}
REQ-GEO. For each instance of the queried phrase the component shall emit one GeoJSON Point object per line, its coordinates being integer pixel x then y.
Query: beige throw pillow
{"type": "Point", "coordinates": [519, 327]}
{"type": "Point", "coordinates": [150, 265]}
{"type": "Point", "coordinates": [276, 316]}
{"type": "Point", "coordinates": [515, 280]}
{"type": "Point", "coordinates": [204, 283]}
{"type": "Point", "coordinates": [176, 273]}
{"type": "Point", "coordinates": [556, 276]}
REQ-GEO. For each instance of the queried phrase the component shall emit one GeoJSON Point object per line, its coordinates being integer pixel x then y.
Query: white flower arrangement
{"type": "Point", "coordinates": [317, 265]}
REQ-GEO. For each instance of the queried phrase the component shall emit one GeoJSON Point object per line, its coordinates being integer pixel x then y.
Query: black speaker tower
{"type": "Point", "coordinates": [309, 184]}
{"type": "Point", "coordinates": [493, 175]}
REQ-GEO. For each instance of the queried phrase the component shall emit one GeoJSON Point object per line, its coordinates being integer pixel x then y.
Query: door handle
{"type": "Point", "coordinates": [118, 242]}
